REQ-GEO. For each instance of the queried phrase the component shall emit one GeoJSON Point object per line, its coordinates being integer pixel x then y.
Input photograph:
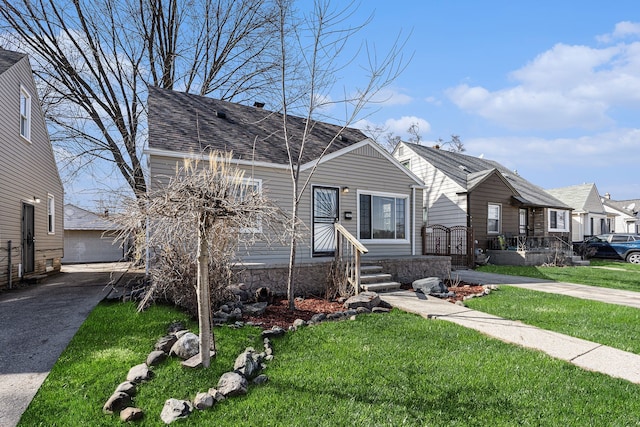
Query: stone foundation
{"type": "Point", "coordinates": [523, 257]}
{"type": "Point", "coordinates": [312, 279]}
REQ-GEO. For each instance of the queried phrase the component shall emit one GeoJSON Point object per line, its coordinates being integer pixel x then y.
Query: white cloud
{"type": "Point", "coordinates": [622, 30]}
{"type": "Point", "coordinates": [566, 87]}
{"type": "Point", "coordinates": [560, 162]}
{"type": "Point", "coordinates": [401, 125]}
{"type": "Point", "coordinates": [388, 97]}
{"type": "Point", "coordinates": [590, 152]}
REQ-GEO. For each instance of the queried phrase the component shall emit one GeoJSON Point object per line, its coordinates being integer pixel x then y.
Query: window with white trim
{"type": "Point", "coordinates": [247, 187]}
{"type": "Point", "coordinates": [559, 220]}
{"type": "Point", "coordinates": [383, 217]}
{"type": "Point", "coordinates": [493, 218]}
{"type": "Point", "coordinates": [25, 114]}
{"type": "Point", "coordinates": [51, 214]}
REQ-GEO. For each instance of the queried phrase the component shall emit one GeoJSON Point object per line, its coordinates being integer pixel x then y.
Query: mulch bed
{"type": "Point", "coordinates": [278, 313]}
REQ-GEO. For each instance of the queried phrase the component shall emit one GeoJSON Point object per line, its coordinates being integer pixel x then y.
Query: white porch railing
{"type": "Point", "coordinates": [348, 255]}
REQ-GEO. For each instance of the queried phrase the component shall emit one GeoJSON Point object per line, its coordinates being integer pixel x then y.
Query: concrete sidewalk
{"type": "Point", "coordinates": [38, 321]}
{"type": "Point", "coordinates": [594, 293]}
{"type": "Point", "coordinates": [585, 354]}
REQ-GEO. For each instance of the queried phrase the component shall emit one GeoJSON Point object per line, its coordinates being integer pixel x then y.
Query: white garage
{"type": "Point", "coordinates": [89, 237]}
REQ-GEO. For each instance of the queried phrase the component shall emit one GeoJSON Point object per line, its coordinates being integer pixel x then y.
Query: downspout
{"type": "Point", "coordinates": [413, 221]}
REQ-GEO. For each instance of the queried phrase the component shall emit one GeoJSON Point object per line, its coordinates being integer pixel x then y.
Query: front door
{"type": "Point", "coordinates": [325, 214]}
{"type": "Point", "coordinates": [28, 242]}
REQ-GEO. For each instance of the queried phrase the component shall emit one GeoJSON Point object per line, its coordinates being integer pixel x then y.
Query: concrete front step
{"type": "Point", "coordinates": [374, 278]}
{"type": "Point", "coordinates": [380, 287]}
{"type": "Point", "coordinates": [370, 269]}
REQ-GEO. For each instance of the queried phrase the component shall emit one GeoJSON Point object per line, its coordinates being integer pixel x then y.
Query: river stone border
{"type": "Point", "coordinates": [247, 368]}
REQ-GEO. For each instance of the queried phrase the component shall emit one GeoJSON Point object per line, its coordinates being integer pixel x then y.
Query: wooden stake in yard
{"type": "Point", "coordinates": [202, 291]}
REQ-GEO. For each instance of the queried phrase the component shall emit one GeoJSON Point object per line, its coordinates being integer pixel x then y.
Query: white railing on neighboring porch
{"type": "Point", "coordinates": [348, 254]}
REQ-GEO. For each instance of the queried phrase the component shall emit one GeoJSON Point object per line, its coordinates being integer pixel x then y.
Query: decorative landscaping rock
{"type": "Point", "coordinates": [139, 373]}
{"type": "Point", "coordinates": [187, 346]}
{"type": "Point", "coordinates": [247, 364]}
{"type": "Point", "coordinates": [317, 318]}
{"type": "Point", "coordinates": [364, 299]}
{"type": "Point", "coordinates": [176, 327]}
{"type": "Point", "coordinates": [165, 343]}
{"type": "Point", "coordinates": [127, 387]}
{"type": "Point", "coordinates": [156, 357]}
{"type": "Point", "coordinates": [118, 401]}
{"type": "Point", "coordinates": [232, 384]}
{"type": "Point", "coordinates": [256, 309]}
{"type": "Point", "coordinates": [385, 304]}
{"type": "Point", "coordinates": [175, 409]}
{"type": "Point", "coordinates": [203, 401]}
{"type": "Point", "coordinates": [181, 333]}
{"type": "Point", "coordinates": [131, 414]}
{"type": "Point", "coordinates": [221, 316]}
{"type": "Point", "coordinates": [363, 310]}
{"type": "Point", "coordinates": [298, 323]}
{"type": "Point", "coordinates": [276, 331]}
{"type": "Point", "coordinates": [380, 310]}
{"type": "Point", "coordinates": [430, 286]}
{"type": "Point", "coordinates": [335, 316]}
{"type": "Point", "coordinates": [264, 294]}
{"type": "Point", "coordinates": [217, 396]}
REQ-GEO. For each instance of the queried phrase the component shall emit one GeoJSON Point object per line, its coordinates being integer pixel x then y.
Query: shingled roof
{"type": "Point", "coordinates": [188, 123]}
{"type": "Point", "coordinates": [8, 59]}
{"type": "Point", "coordinates": [460, 168]}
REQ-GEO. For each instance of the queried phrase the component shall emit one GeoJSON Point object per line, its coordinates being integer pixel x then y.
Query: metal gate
{"type": "Point", "coordinates": [455, 242]}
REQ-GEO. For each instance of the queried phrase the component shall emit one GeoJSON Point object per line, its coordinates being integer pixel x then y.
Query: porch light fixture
{"type": "Point", "coordinates": [345, 190]}
{"type": "Point", "coordinates": [36, 199]}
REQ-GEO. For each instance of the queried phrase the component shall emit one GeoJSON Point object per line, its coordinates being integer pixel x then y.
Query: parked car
{"type": "Point", "coordinates": [614, 246]}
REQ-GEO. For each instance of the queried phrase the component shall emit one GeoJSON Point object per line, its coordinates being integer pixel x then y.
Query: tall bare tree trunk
{"type": "Point", "coordinates": [291, 278]}
{"type": "Point", "coordinates": [204, 300]}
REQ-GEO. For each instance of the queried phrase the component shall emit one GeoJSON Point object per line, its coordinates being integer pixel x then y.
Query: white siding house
{"type": "Point", "coordinates": [31, 193]}
{"type": "Point", "coordinates": [589, 216]}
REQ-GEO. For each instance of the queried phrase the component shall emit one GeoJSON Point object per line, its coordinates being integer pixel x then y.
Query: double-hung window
{"type": "Point", "coordinates": [383, 217]}
{"type": "Point", "coordinates": [493, 218]}
{"type": "Point", "coordinates": [25, 114]}
{"type": "Point", "coordinates": [559, 220]}
{"type": "Point", "coordinates": [246, 188]}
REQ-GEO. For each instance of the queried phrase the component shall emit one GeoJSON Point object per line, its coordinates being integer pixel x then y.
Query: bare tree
{"type": "Point", "coordinates": [93, 61]}
{"type": "Point", "coordinates": [205, 209]}
{"type": "Point", "coordinates": [454, 145]}
{"type": "Point", "coordinates": [415, 136]}
{"type": "Point", "coordinates": [320, 42]}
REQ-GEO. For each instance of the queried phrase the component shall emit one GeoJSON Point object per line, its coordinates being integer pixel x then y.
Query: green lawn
{"type": "Point", "coordinates": [609, 324]}
{"type": "Point", "coordinates": [379, 370]}
{"type": "Point", "coordinates": [607, 274]}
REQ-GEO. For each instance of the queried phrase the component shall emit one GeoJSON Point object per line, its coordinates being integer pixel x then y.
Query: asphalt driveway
{"type": "Point", "coordinates": [36, 324]}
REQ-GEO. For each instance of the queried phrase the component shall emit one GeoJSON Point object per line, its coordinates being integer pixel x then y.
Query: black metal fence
{"type": "Point", "coordinates": [455, 242]}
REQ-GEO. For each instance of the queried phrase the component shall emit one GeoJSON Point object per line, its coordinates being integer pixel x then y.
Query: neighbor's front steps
{"type": "Point", "coordinates": [373, 279]}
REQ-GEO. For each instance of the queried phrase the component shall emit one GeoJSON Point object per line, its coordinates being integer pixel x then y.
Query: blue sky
{"type": "Point", "coordinates": [548, 88]}
{"type": "Point", "coordinates": [551, 89]}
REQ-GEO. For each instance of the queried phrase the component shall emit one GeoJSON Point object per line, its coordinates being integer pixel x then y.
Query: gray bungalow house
{"type": "Point", "coordinates": [503, 210]}
{"type": "Point", "coordinates": [357, 184]}
{"type": "Point", "coordinates": [31, 220]}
